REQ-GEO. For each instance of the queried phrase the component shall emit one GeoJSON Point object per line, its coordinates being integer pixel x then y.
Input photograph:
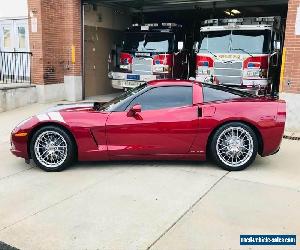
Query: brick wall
{"type": "Point", "coordinates": [292, 45]}
{"type": "Point", "coordinates": [58, 29]}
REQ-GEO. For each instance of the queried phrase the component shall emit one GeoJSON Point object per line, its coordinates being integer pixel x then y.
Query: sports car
{"type": "Point", "coordinates": [159, 120]}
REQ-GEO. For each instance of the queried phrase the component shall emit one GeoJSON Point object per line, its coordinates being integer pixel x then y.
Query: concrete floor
{"type": "Point", "coordinates": [140, 205]}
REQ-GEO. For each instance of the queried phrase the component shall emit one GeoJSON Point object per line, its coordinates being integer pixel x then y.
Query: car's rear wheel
{"type": "Point", "coordinates": [234, 146]}
{"type": "Point", "coordinates": [52, 148]}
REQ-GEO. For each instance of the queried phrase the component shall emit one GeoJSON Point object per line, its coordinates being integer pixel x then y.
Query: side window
{"type": "Point", "coordinates": [211, 94]}
{"type": "Point", "coordinates": [7, 40]}
{"type": "Point", "coordinates": [165, 97]}
{"type": "Point", "coordinates": [21, 37]}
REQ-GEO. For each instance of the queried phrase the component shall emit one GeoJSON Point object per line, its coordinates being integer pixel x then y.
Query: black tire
{"type": "Point", "coordinates": [69, 155]}
{"type": "Point", "coordinates": [215, 153]}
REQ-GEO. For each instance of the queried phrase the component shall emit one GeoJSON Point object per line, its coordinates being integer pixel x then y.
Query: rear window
{"type": "Point", "coordinates": [213, 93]}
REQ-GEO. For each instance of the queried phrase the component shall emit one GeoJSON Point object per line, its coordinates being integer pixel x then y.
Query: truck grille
{"type": "Point", "coordinates": [230, 73]}
{"type": "Point", "coordinates": [142, 66]}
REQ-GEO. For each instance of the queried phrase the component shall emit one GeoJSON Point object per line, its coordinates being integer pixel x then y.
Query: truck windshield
{"type": "Point", "coordinates": [215, 41]}
{"type": "Point", "coordinates": [148, 42]}
{"type": "Point", "coordinates": [236, 41]}
{"type": "Point", "coordinates": [252, 41]}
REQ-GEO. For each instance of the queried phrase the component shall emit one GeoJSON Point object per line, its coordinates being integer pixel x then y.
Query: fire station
{"type": "Point", "coordinates": [72, 42]}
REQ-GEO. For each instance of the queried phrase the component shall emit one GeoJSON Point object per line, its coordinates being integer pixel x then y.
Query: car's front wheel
{"type": "Point", "coordinates": [52, 148]}
{"type": "Point", "coordinates": [234, 146]}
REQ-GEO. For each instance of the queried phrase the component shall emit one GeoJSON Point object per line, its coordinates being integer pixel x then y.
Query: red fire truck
{"type": "Point", "coordinates": [241, 52]}
{"type": "Point", "coordinates": [149, 52]}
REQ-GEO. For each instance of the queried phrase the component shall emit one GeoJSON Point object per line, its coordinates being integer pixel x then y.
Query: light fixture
{"type": "Point", "coordinates": [232, 12]}
{"type": "Point", "coordinates": [227, 12]}
{"type": "Point", "coordinates": [235, 11]}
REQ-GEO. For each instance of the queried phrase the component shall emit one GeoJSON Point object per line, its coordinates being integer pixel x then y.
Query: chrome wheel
{"type": "Point", "coordinates": [234, 146]}
{"type": "Point", "coordinates": [51, 149]}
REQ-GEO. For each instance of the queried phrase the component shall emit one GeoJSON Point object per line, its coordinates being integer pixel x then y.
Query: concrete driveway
{"type": "Point", "coordinates": [140, 205]}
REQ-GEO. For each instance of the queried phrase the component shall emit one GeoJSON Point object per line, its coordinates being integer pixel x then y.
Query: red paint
{"type": "Point", "coordinates": [164, 59]}
{"type": "Point", "coordinates": [173, 133]}
{"type": "Point", "coordinates": [204, 60]}
{"type": "Point", "coordinates": [125, 58]}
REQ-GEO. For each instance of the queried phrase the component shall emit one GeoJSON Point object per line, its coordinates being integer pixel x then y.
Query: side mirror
{"type": "Point", "coordinates": [195, 46]}
{"type": "Point", "coordinates": [277, 45]}
{"type": "Point", "coordinates": [180, 45]}
{"type": "Point", "coordinates": [137, 108]}
{"type": "Point", "coordinates": [274, 59]}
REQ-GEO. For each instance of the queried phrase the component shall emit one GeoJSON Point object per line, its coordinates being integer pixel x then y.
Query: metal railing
{"type": "Point", "coordinates": [15, 67]}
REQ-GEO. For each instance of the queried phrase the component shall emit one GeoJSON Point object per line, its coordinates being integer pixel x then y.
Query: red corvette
{"type": "Point", "coordinates": [166, 119]}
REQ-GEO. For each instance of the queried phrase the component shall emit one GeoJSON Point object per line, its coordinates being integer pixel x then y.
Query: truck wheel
{"type": "Point", "coordinates": [234, 146]}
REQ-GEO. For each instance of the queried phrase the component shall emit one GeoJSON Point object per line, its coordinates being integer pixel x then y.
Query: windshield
{"type": "Point", "coordinates": [243, 41]}
{"type": "Point", "coordinates": [215, 42]}
{"type": "Point", "coordinates": [148, 42]}
{"type": "Point", "coordinates": [118, 102]}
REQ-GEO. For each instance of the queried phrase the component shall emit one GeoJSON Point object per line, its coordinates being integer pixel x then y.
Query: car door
{"type": "Point", "coordinates": [166, 125]}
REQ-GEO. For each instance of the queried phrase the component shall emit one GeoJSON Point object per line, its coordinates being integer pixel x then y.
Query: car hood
{"type": "Point", "coordinates": [73, 107]}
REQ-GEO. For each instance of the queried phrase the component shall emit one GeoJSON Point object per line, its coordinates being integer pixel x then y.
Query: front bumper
{"type": "Point", "coordinates": [19, 146]}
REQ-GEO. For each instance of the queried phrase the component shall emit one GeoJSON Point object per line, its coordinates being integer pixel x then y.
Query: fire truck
{"type": "Point", "coordinates": [244, 53]}
{"type": "Point", "coordinates": [149, 52]}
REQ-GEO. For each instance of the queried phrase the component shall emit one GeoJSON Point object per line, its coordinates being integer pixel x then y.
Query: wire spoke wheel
{"type": "Point", "coordinates": [235, 146]}
{"type": "Point", "coordinates": [51, 149]}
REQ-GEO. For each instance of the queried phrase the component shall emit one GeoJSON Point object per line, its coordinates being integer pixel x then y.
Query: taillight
{"type": "Point", "coordinates": [162, 63]}
{"type": "Point", "coordinates": [281, 111]}
{"type": "Point", "coordinates": [281, 108]}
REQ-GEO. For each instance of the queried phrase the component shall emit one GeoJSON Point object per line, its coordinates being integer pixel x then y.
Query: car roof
{"type": "Point", "coordinates": [171, 82]}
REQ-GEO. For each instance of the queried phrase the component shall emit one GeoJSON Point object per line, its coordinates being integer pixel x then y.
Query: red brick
{"type": "Point", "coordinates": [292, 45]}
{"type": "Point", "coordinates": [59, 27]}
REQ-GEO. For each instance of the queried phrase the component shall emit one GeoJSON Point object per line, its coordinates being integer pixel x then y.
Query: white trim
{"type": "Point", "coordinates": [42, 117]}
{"type": "Point", "coordinates": [236, 27]}
{"type": "Point", "coordinates": [13, 25]}
{"type": "Point", "coordinates": [56, 116]}
{"type": "Point", "coordinates": [13, 18]}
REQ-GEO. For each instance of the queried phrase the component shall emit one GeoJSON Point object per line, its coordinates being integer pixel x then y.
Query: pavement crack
{"type": "Point", "coordinates": [14, 174]}
{"type": "Point", "coordinates": [187, 211]}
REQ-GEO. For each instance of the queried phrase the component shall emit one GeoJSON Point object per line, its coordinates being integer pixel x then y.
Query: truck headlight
{"type": "Point", "coordinates": [203, 71]}
{"type": "Point", "coordinates": [161, 68]}
{"type": "Point", "coordinates": [253, 73]}
{"type": "Point", "coordinates": [125, 66]}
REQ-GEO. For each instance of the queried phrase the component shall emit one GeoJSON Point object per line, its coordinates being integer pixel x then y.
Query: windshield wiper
{"type": "Point", "coordinates": [243, 51]}
{"type": "Point", "coordinates": [149, 49]}
{"type": "Point", "coordinates": [210, 52]}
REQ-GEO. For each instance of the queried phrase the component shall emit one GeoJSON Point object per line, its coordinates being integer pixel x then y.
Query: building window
{"type": "Point", "coordinates": [21, 37]}
{"type": "Point", "coordinates": [6, 38]}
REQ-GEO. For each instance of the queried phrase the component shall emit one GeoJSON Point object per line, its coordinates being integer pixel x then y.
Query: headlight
{"type": "Point", "coordinates": [161, 68]}
{"type": "Point", "coordinates": [203, 71]}
{"type": "Point", "coordinates": [22, 123]}
{"type": "Point", "coordinates": [254, 73]}
{"type": "Point", "coordinates": [126, 67]}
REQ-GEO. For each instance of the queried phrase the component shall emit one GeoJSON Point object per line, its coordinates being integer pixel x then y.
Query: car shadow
{"type": "Point", "coordinates": [137, 164]}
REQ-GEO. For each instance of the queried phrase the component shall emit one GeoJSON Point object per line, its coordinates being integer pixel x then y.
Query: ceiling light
{"type": "Point", "coordinates": [227, 12]}
{"type": "Point", "coordinates": [235, 11]}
